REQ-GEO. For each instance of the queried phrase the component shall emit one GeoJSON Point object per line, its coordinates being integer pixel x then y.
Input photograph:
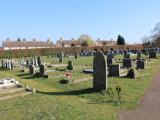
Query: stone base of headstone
{"type": "Point", "coordinates": [88, 71]}
{"type": "Point", "coordinates": [114, 70]}
{"type": "Point", "coordinates": [131, 74]}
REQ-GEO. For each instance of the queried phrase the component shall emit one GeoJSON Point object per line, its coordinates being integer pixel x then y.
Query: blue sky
{"type": "Point", "coordinates": [68, 19]}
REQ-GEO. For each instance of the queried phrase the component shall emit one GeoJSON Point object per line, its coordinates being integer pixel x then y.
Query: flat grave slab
{"type": "Point", "coordinates": [88, 71]}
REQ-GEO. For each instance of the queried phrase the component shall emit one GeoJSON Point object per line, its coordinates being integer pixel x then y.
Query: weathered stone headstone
{"type": "Point", "coordinates": [152, 54]}
{"type": "Point", "coordinates": [9, 64]}
{"type": "Point", "coordinates": [32, 61]}
{"type": "Point", "coordinates": [2, 62]}
{"type": "Point", "coordinates": [140, 64]}
{"type": "Point", "coordinates": [33, 90]}
{"type": "Point", "coordinates": [146, 52]}
{"type": "Point", "coordinates": [99, 72]}
{"type": "Point", "coordinates": [42, 70]}
{"type": "Point", "coordinates": [139, 55]}
{"type": "Point", "coordinates": [27, 62]}
{"type": "Point", "coordinates": [6, 64]}
{"type": "Point", "coordinates": [23, 69]}
{"type": "Point", "coordinates": [114, 70]}
{"type": "Point", "coordinates": [12, 65]}
{"type": "Point", "coordinates": [76, 55]}
{"type": "Point", "coordinates": [109, 59]}
{"type": "Point", "coordinates": [35, 62]}
{"type": "Point", "coordinates": [127, 63]}
{"type": "Point", "coordinates": [32, 69]}
{"type": "Point", "coordinates": [61, 55]}
{"type": "Point", "coordinates": [39, 60]}
{"type": "Point", "coordinates": [27, 87]}
{"type": "Point", "coordinates": [22, 62]}
{"type": "Point", "coordinates": [70, 65]}
{"type": "Point", "coordinates": [125, 52]}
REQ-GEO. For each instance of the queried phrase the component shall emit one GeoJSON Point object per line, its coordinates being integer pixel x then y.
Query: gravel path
{"type": "Point", "coordinates": [149, 108]}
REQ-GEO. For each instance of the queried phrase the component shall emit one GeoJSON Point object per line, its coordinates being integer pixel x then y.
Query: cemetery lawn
{"type": "Point", "coordinates": [55, 101]}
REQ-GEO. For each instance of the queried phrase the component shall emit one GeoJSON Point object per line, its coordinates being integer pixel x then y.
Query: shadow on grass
{"type": "Point", "coordinates": [74, 92]}
{"type": "Point", "coordinates": [20, 75]}
{"type": "Point", "coordinates": [33, 77]}
{"type": "Point", "coordinates": [112, 102]}
{"type": "Point", "coordinates": [29, 77]}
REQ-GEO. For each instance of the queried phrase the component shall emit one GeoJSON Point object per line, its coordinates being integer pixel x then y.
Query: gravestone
{"type": "Point", "coordinates": [114, 70]}
{"type": "Point", "coordinates": [99, 72]}
{"type": "Point", "coordinates": [9, 64]}
{"type": "Point", "coordinates": [109, 59]}
{"type": "Point", "coordinates": [23, 69]}
{"type": "Point", "coordinates": [35, 62]}
{"type": "Point", "coordinates": [70, 65]}
{"type": "Point", "coordinates": [125, 52]}
{"type": "Point", "coordinates": [88, 71]}
{"type": "Point", "coordinates": [61, 55]}
{"type": "Point", "coordinates": [39, 60]}
{"type": "Point", "coordinates": [12, 65]}
{"type": "Point", "coordinates": [76, 55]}
{"type": "Point", "coordinates": [42, 70]}
{"type": "Point", "coordinates": [127, 56]}
{"type": "Point", "coordinates": [140, 64]}
{"type": "Point", "coordinates": [127, 63]}
{"type": "Point", "coordinates": [27, 87]}
{"type": "Point", "coordinates": [5, 64]}
{"type": "Point", "coordinates": [32, 69]}
{"type": "Point", "coordinates": [2, 63]}
{"type": "Point", "coordinates": [32, 61]}
{"type": "Point", "coordinates": [139, 55]}
{"type": "Point", "coordinates": [152, 54]}
{"type": "Point", "coordinates": [27, 62]}
{"type": "Point", "coordinates": [146, 52]}
{"type": "Point", "coordinates": [33, 90]}
{"type": "Point", "coordinates": [131, 74]}
{"type": "Point", "coordinates": [21, 62]}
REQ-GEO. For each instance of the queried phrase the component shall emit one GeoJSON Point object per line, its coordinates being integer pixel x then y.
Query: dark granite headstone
{"type": "Point", "coordinates": [114, 70]}
{"type": "Point", "coordinates": [127, 63]}
{"type": "Point", "coordinates": [99, 72]}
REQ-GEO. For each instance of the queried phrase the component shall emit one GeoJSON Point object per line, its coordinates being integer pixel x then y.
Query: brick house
{"type": "Point", "coordinates": [105, 42]}
{"type": "Point", "coordinates": [13, 45]}
{"type": "Point", "coordinates": [67, 43]}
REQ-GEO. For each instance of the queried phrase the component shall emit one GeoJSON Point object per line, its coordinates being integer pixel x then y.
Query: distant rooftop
{"type": "Point", "coordinates": [26, 44]}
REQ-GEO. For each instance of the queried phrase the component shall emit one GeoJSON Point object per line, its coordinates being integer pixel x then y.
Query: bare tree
{"type": "Point", "coordinates": [146, 41]}
{"type": "Point", "coordinates": [156, 35]}
{"type": "Point", "coordinates": [153, 40]}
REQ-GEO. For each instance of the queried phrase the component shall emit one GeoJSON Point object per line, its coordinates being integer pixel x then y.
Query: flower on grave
{"type": "Point", "coordinates": [68, 75]}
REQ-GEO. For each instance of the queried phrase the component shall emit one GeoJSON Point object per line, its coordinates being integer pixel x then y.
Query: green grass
{"type": "Point", "coordinates": [55, 101]}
